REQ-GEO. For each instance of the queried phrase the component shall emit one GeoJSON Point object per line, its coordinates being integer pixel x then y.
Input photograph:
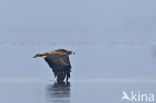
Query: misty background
{"type": "Point", "coordinates": [82, 20]}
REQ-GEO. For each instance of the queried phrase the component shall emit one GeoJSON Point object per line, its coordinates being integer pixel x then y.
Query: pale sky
{"type": "Point", "coordinates": [86, 20]}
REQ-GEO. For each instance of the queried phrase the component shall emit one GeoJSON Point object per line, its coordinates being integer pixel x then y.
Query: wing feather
{"type": "Point", "coordinates": [60, 65]}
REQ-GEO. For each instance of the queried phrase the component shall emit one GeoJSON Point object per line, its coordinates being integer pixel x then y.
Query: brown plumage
{"type": "Point", "coordinates": [59, 61]}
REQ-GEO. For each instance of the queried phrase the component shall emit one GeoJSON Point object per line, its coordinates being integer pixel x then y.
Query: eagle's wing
{"type": "Point", "coordinates": [60, 64]}
{"type": "Point", "coordinates": [58, 60]}
{"type": "Point", "coordinates": [62, 61]}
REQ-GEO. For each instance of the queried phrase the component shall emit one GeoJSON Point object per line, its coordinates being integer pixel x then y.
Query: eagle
{"type": "Point", "coordinates": [58, 61]}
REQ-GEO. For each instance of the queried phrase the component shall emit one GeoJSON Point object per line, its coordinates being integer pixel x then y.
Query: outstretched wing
{"type": "Point", "coordinates": [59, 64]}
{"type": "Point", "coordinates": [57, 60]}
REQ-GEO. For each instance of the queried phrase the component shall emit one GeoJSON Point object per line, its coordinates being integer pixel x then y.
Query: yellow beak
{"type": "Point", "coordinates": [44, 56]}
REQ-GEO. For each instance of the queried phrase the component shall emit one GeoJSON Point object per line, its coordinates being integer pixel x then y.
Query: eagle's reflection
{"type": "Point", "coordinates": [59, 92]}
